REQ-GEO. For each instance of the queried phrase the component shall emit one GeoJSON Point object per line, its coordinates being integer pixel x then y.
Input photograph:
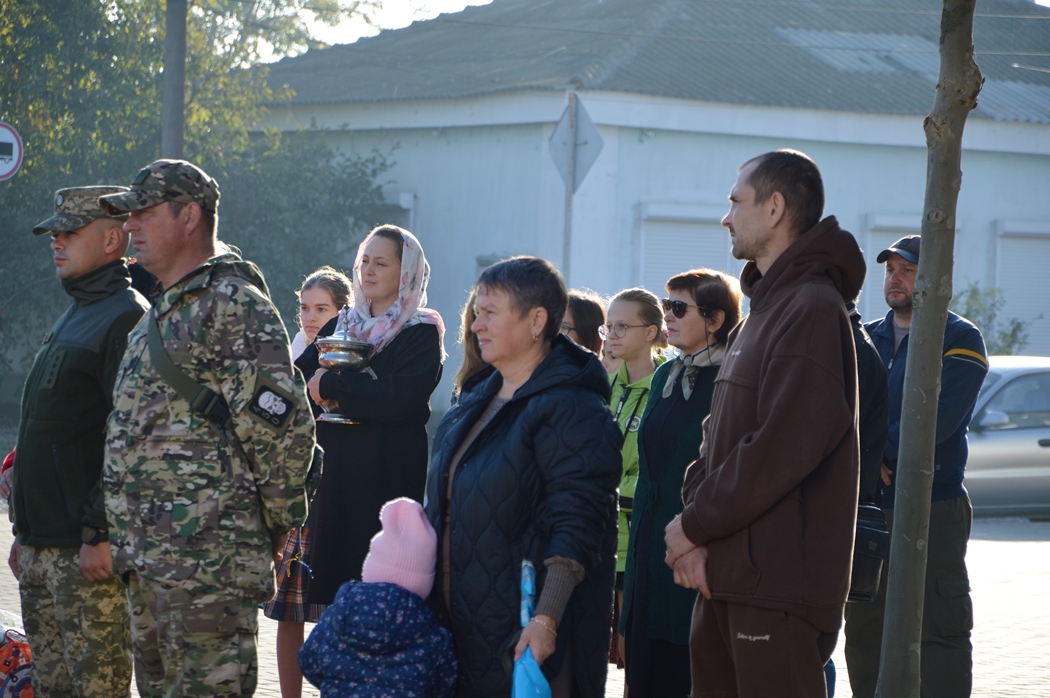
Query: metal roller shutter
{"type": "Point", "coordinates": [1024, 277]}
{"type": "Point", "coordinates": [671, 247]}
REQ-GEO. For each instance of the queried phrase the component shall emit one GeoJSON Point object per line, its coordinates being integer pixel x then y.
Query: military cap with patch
{"type": "Point", "coordinates": [166, 180]}
{"type": "Point", "coordinates": [75, 207]}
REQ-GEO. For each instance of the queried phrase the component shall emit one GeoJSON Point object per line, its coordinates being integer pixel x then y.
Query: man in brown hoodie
{"type": "Point", "coordinates": [766, 535]}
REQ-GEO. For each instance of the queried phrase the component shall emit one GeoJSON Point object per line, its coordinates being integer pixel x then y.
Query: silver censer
{"type": "Point", "coordinates": [338, 352]}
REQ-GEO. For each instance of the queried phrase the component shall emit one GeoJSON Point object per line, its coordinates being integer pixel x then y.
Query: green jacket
{"type": "Point", "coordinates": [627, 403]}
{"type": "Point", "coordinates": [670, 607]}
{"type": "Point", "coordinates": [65, 402]}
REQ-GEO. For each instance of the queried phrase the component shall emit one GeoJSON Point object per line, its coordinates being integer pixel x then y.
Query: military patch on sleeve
{"type": "Point", "coordinates": [271, 405]}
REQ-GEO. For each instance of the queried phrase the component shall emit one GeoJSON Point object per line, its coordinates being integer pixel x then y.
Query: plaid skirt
{"type": "Point", "coordinates": [293, 583]}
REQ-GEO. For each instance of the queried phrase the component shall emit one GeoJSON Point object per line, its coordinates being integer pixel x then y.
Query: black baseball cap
{"type": "Point", "coordinates": [907, 247]}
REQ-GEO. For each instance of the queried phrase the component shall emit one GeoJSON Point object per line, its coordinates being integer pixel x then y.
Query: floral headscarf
{"type": "Point", "coordinates": [409, 308]}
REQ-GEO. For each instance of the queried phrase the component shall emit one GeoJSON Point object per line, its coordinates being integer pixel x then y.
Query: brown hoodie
{"type": "Point", "coordinates": [773, 495]}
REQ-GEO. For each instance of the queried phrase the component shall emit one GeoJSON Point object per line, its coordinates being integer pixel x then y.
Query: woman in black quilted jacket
{"type": "Point", "coordinates": [525, 466]}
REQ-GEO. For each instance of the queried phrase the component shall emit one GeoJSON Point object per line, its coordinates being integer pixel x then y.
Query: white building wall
{"type": "Point", "coordinates": [477, 193]}
{"type": "Point", "coordinates": [489, 188]}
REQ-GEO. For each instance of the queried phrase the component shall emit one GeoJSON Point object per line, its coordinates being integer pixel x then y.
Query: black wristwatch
{"type": "Point", "coordinates": [89, 535]}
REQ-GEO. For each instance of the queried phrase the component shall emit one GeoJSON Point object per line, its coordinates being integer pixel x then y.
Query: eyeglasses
{"type": "Point", "coordinates": [566, 329]}
{"type": "Point", "coordinates": [678, 307]}
{"type": "Point", "coordinates": [615, 331]}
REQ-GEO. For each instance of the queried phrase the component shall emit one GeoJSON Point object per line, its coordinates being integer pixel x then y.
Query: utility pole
{"type": "Point", "coordinates": [958, 85]}
{"type": "Point", "coordinates": [173, 112]}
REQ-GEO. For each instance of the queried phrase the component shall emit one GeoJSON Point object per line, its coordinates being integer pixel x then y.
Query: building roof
{"type": "Point", "coordinates": [870, 56]}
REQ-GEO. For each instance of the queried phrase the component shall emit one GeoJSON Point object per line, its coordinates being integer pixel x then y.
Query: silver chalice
{"type": "Point", "coordinates": [338, 352]}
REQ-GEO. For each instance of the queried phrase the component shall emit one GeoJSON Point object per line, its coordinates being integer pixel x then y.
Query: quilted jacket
{"type": "Point", "coordinates": [379, 641]}
{"type": "Point", "coordinates": [538, 481]}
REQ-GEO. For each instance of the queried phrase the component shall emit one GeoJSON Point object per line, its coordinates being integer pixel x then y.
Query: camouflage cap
{"type": "Point", "coordinates": [166, 180]}
{"type": "Point", "coordinates": [75, 207]}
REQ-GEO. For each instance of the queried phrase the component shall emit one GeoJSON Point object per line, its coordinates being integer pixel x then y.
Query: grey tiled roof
{"type": "Point", "coordinates": [872, 56]}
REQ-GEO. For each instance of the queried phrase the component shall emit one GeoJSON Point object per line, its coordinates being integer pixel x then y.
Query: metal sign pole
{"type": "Point", "coordinates": [574, 146]}
{"type": "Point", "coordinates": [570, 190]}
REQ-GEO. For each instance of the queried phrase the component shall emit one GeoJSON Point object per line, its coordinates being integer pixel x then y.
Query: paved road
{"type": "Point", "coordinates": [1009, 561]}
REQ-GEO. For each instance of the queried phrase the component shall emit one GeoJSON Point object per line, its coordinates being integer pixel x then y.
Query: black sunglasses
{"type": "Point", "coordinates": [678, 307]}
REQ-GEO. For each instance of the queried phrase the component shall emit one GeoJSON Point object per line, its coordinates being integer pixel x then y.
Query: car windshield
{"type": "Point", "coordinates": [989, 380]}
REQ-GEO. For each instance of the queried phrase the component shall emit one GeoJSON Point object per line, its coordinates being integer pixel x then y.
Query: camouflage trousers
{"type": "Point", "coordinates": [78, 630]}
{"type": "Point", "coordinates": [188, 644]}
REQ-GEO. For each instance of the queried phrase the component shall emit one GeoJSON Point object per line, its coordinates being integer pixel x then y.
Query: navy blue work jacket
{"type": "Point", "coordinates": [963, 368]}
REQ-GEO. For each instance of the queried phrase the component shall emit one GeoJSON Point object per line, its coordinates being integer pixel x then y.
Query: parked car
{"type": "Point", "coordinates": [1008, 472]}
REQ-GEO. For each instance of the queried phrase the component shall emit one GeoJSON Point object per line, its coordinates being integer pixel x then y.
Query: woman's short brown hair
{"type": "Point", "coordinates": [712, 290]}
{"type": "Point", "coordinates": [530, 282]}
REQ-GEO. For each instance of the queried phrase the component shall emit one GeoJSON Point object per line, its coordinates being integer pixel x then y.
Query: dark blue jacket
{"type": "Point", "coordinates": [379, 641]}
{"type": "Point", "coordinates": [963, 368]}
{"type": "Point", "coordinates": [539, 481]}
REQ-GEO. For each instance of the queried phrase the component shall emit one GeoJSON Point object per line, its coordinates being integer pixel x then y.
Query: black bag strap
{"type": "Point", "coordinates": [211, 405]}
{"type": "Point", "coordinates": [203, 400]}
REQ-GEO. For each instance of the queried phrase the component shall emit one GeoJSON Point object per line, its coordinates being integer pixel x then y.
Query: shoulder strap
{"type": "Point", "coordinates": [212, 406]}
{"type": "Point", "coordinates": [203, 400]}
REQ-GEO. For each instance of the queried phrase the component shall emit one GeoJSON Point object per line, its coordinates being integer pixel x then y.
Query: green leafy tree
{"type": "Point", "coordinates": [291, 204]}
{"type": "Point", "coordinates": [983, 307]}
{"type": "Point", "coordinates": [81, 82]}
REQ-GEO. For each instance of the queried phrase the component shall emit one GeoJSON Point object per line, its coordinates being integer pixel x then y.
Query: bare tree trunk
{"type": "Point", "coordinates": [958, 84]}
{"type": "Point", "coordinates": [173, 112]}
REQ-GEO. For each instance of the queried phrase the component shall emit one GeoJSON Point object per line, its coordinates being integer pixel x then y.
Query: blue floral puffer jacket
{"type": "Point", "coordinates": [377, 641]}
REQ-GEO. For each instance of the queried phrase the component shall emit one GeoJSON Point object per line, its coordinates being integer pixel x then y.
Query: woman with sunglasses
{"type": "Point", "coordinates": [701, 309]}
{"type": "Point", "coordinates": [634, 335]}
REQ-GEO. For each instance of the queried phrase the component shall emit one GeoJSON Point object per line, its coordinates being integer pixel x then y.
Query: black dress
{"type": "Point", "coordinates": [368, 464]}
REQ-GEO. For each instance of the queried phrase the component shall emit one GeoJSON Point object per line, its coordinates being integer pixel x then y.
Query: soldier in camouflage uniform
{"type": "Point", "coordinates": [197, 523]}
{"type": "Point", "coordinates": [75, 611]}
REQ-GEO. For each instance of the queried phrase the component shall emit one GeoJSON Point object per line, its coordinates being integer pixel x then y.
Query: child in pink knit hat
{"type": "Point", "coordinates": [405, 551]}
{"type": "Point", "coordinates": [380, 638]}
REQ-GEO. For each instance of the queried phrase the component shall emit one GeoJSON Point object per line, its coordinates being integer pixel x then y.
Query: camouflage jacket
{"type": "Point", "coordinates": [184, 507]}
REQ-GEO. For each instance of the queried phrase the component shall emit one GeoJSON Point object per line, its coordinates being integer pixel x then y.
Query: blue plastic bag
{"type": "Point", "coordinates": [528, 681]}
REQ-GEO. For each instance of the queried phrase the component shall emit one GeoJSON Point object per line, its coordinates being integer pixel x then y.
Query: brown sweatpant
{"type": "Point", "coordinates": [743, 651]}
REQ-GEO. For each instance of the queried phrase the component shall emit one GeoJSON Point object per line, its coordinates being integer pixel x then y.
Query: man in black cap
{"type": "Point", "coordinates": [75, 611]}
{"type": "Point", "coordinates": [947, 662]}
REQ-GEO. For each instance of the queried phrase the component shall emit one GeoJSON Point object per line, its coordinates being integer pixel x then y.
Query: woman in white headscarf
{"type": "Point", "coordinates": [384, 455]}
